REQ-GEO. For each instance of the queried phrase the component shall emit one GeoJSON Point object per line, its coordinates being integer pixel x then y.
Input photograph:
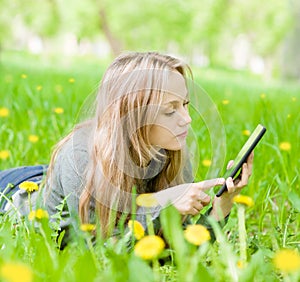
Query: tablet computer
{"type": "Point", "coordinates": [242, 156]}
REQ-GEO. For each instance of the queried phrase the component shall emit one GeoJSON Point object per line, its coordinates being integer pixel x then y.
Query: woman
{"type": "Point", "coordinates": [135, 143]}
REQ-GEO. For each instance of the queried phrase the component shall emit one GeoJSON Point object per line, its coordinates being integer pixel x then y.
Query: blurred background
{"type": "Point", "coordinates": [261, 37]}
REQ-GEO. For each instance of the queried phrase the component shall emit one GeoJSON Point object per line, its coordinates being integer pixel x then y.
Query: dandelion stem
{"type": "Point", "coordinates": [133, 215]}
{"type": "Point", "coordinates": [286, 231]}
{"type": "Point", "coordinates": [149, 224]}
{"type": "Point", "coordinates": [286, 278]}
{"type": "Point", "coordinates": [2, 195]}
{"type": "Point", "coordinates": [242, 233]}
{"type": "Point", "coordinates": [92, 250]}
{"type": "Point", "coordinates": [29, 202]}
{"type": "Point", "coordinates": [50, 250]}
{"type": "Point", "coordinates": [156, 270]}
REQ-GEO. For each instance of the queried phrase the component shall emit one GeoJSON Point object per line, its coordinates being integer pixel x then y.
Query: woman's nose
{"type": "Point", "coordinates": [184, 117]}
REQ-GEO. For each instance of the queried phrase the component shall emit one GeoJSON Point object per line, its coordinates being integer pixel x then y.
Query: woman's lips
{"type": "Point", "coordinates": [183, 134]}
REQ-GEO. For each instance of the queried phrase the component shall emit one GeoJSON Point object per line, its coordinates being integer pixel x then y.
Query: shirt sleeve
{"type": "Point", "coordinates": [67, 182]}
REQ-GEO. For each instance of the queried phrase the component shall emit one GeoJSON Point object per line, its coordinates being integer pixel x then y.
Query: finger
{"type": "Point", "coordinates": [230, 185]}
{"type": "Point", "coordinates": [244, 177]}
{"type": "Point", "coordinates": [204, 198]}
{"type": "Point", "coordinates": [198, 206]}
{"type": "Point", "coordinates": [250, 163]}
{"type": "Point", "coordinates": [206, 184]}
{"type": "Point", "coordinates": [194, 211]}
{"type": "Point", "coordinates": [230, 164]}
{"type": "Point", "coordinates": [204, 204]}
{"type": "Point", "coordinates": [251, 157]}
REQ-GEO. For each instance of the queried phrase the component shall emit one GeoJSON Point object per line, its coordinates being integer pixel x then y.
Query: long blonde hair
{"type": "Point", "coordinates": [119, 150]}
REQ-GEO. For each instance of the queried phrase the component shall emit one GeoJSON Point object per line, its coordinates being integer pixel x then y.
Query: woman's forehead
{"type": "Point", "coordinates": [173, 99]}
{"type": "Point", "coordinates": [175, 89]}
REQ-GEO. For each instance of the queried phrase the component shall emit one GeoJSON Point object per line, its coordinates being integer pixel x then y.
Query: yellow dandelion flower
{"type": "Point", "coordinates": [225, 102]}
{"type": "Point", "coordinates": [285, 146]}
{"type": "Point", "coordinates": [15, 272]}
{"type": "Point", "coordinates": [294, 99]}
{"type": "Point", "coordinates": [262, 95]}
{"type": "Point", "coordinates": [246, 132]}
{"type": "Point", "coordinates": [4, 154]}
{"type": "Point", "coordinates": [38, 214]}
{"type": "Point", "coordinates": [287, 260]}
{"type": "Point", "coordinates": [33, 138]}
{"type": "Point", "coordinates": [59, 111]}
{"type": "Point", "coordinates": [71, 80]}
{"type": "Point", "coordinates": [136, 228]}
{"type": "Point", "coordinates": [87, 227]}
{"type": "Point", "coordinates": [31, 215]}
{"type": "Point", "coordinates": [244, 200]}
{"type": "Point", "coordinates": [146, 200]}
{"type": "Point", "coordinates": [29, 186]}
{"type": "Point", "coordinates": [24, 76]}
{"type": "Point", "coordinates": [206, 163]}
{"type": "Point", "coordinates": [241, 264]}
{"type": "Point", "coordinates": [149, 247]}
{"type": "Point", "coordinates": [196, 234]}
{"type": "Point", "coordinates": [39, 87]}
{"type": "Point", "coordinates": [4, 112]}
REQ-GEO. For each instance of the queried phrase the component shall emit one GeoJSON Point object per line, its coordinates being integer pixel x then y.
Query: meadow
{"type": "Point", "coordinates": [41, 100]}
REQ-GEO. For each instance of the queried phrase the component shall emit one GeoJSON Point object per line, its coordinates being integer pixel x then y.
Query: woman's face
{"type": "Point", "coordinates": [170, 128]}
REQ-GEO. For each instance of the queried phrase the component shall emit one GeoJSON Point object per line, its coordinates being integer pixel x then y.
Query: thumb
{"type": "Point", "coordinates": [230, 164]}
{"type": "Point", "coordinates": [206, 184]}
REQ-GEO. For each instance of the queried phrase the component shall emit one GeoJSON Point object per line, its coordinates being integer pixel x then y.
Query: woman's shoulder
{"type": "Point", "coordinates": [73, 153]}
{"type": "Point", "coordinates": [78, 141]}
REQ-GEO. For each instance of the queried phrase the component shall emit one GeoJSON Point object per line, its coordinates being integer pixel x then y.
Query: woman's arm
{"type": "Point", "coordinates": [190, 198]}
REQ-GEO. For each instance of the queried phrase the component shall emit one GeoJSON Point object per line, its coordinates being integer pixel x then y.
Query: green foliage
{"type": "Point", "coordinates": [191, 268]}
{"type": "Point", "coordinates": [6, 14]}
{"type": "Point", "coordinates": [193, 28]}
{"type": "Point", "coordinates": [73, 15]}
{"type": "Point", "coordinates": [42, 17]}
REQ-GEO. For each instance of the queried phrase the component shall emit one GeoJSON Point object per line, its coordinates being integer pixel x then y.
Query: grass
{"type": "Point", "coordinates": [32, 87]}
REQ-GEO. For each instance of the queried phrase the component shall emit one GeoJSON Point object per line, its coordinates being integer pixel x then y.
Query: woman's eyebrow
{"type": "Point", "coordinates": [173, 102]}
{"type": "Point", "coordinates": [176, 102]}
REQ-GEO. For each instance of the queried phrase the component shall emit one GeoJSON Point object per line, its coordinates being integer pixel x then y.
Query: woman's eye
{"type": "Point", "coordinates": [186, 103]}
{"type": "Point", "coordinates": [170, 113]}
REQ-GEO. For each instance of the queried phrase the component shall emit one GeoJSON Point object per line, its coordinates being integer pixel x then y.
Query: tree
{"type": "Point", "coordinates": [41, 17]}
{"type": "Point", "coordinates": [186, 27]}
{"type": "Point", "coordinates": [7, 15]}
{"type": "Point", "coordinates": [290, 59]}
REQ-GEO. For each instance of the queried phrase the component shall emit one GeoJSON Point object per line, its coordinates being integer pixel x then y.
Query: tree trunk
{"type": "Point", "coordinates": [290, 60]}
{"type": "Point", "coordinates": [115, 44]}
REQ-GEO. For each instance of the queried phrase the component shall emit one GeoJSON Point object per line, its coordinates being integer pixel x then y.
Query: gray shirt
{"type": "Point", "coordinates": [67, 178]}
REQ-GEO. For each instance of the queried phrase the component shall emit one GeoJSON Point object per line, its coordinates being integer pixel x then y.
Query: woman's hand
{"type": "Point", "coordinates": [188, 198]}
{"type": "Point", "coordinates": [223, 204]}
